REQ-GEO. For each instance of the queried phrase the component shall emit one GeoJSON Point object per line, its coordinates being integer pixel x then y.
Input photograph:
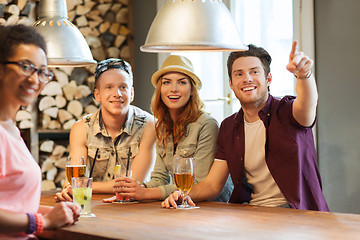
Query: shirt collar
{"type": "Point", "coordinates": [100, 128]}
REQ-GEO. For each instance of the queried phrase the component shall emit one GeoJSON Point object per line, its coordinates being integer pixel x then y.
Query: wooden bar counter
{"type": "Point", "coordinates": [147, 220]}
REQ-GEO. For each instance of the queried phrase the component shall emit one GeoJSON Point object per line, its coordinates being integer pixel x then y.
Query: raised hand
{"type": "Point", "coordinates": [299, 64]}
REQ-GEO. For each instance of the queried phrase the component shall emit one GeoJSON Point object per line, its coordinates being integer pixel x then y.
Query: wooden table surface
{"type": "Point", "coordinates": [147, 220]}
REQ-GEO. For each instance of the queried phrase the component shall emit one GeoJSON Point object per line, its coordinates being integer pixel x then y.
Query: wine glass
{"type": "Point", "coordinates": [184, 176]}
{"type": "Point", "coordinates": [75, 167]}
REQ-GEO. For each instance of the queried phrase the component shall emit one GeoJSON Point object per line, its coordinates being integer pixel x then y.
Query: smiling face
{"type": "Point", "coordinates": [16, 88]}
{"type": "Point", "coordinates": [114, 91]}
{"type": "Point", "coordinates": [175, 92]}
{"type": "Point", "coordinates": [249, 82]}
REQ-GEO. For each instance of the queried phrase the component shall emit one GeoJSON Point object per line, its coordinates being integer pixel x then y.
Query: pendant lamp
{"type": "Point", "coordinates": [193, 25]}
{"type": "Point", "coordinates": [65, 44]}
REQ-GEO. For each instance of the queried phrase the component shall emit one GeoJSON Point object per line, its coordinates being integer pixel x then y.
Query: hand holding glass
{"type": "Point", "coordinates": [184, 176]}
{"type": "Point", "coordinates": [120, 171]}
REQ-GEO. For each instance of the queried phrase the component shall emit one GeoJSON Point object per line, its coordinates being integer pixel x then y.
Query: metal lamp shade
{"type": "Point", "coordinates": [193, 25]}
{"type": "Point", "coordinates": [65, 43]}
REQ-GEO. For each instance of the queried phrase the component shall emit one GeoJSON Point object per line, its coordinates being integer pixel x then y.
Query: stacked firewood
{"type": "Point", "coordinates": [64, 101]}
{"type": "Point", "coordinates": [53, 161]}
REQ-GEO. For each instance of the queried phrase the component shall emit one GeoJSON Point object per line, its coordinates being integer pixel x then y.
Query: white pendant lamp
{"type": "Point", "coordinates": [193, 25]}
{"type": "Point", "coordinates": [65, 44]}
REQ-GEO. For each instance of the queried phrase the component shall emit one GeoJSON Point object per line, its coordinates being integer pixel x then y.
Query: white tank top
{"type": "Point", "coordinates": [266, 191]}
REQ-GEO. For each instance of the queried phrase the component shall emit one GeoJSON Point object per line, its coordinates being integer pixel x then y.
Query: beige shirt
{"type": "Point", "coordinates": [199, 142]}
{"type": "Point", "coordinates": [111, 153]}
{"type": "Point", "coordinates": [266, 191]}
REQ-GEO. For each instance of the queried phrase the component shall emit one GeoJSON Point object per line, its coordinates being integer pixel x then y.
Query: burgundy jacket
{"type": "Point", "coordinates": [289, 153]}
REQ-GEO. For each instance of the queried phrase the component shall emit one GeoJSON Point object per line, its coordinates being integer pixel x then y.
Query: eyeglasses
{"type": "Point", "coordinates": [28, 69]}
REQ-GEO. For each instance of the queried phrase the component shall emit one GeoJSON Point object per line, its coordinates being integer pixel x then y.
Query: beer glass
{"type": "Point", "coordinates": [184, 176]}
{"type": "Point", "coordinates": [75, 167]}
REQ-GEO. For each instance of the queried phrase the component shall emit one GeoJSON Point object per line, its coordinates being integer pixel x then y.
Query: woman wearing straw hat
{"type": "Point", "coordinates": [182, 129]}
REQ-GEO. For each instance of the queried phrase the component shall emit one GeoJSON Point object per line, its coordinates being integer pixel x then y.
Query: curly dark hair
{"type": "Point", "coordinates": [253, 51]}
{"type": "Point", "coordinates": [13, 35]}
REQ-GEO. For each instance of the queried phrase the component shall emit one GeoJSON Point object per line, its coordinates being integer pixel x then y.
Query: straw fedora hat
{"type": "Point", "coordinates": [175, 63]}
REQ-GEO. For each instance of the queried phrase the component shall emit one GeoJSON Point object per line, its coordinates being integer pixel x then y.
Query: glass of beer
{"type": "Point", "coordinates": [184, 176]}
{"type": "Point", "coordinates": [75, 167]}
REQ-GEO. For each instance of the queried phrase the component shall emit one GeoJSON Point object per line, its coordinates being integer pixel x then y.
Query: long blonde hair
{"type": "Point", "coordinates": [165, 127]}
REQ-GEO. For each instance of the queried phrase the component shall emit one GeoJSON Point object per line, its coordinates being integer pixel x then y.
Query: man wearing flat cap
{"type": "Point", "coordinates": [117, 134]}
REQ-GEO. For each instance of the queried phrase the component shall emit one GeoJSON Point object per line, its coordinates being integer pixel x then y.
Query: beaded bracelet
{"type": "Point", "coordinates": [32, 223]}
{"type": "Point", "coordinates": [39, 223]}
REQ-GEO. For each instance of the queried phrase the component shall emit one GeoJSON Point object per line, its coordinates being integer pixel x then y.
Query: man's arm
{"type": "Point", "coordinates": [211, 187]}
{"type": "Point", "coordinates": [304, 107]}
{"type": "Point", "coordinates": [145, 158]}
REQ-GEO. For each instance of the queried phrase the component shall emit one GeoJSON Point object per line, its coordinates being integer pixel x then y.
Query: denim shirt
{"type": "Point", "coordinates": [113, 152]}
{"type": "Point", "coordinates": [289, 154]}
{"type": "Point", "coordinates": [199, 142]}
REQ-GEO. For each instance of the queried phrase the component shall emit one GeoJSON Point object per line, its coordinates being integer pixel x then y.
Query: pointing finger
{"type": "Point", "coordinates": [293, 50]}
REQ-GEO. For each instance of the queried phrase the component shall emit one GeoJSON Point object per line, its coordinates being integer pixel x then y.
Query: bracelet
{"type": "Point", "coordinates": [306, 77]}
{"type": "Point", "coordinates": [39, 223]}
{"type": "Point", "coordinates": [142, 184]}
{"type": "Point", "coordinates": [32, 223]}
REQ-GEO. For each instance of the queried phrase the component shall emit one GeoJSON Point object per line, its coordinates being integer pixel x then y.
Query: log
{"type": "Point", "coordinates": [53, 88]}
{"type": "Point", "coordinates": [122, 16]}
{"type": "Point", "coordinates": [58, 151]}
{"type": "Point", "coordinates": [91, 109]}
{"type": "Point", "coordinates": [79, 75]}
{"type": "Point", "coordinates": [81, 21]}
{"type": "Point", "coordinates": [103, 8]}
{"type": "Point", "coordinates": [68, 124]}
{"type": "Point", "coordinates": [113, 52]}
{"type": "Point", "coordinates": [52, 112]}
{"type": "Point", "coordinates": [54, 125]}
{"type": "Point", "coordinates": [116, 7]}
{"type": "Point", "coordinates": [67, 70]}
{"type": "Point", "coordinates": [60, 178]}
{"type": "Point", "coordinates": [25, 124]}
{"type": "Point", "coordinates": [64, 115]}
{"type": "Point", "coordinates": [22, 115]}
{"type": "Point", "coordinates": [12, 9]}
{"type": "Point", "coordinates": [104, 27]}
{"type": "Point", "coordinates": [51, 173]}
{"type": "Point", "coordinates": [13, 19]}
{"type": "Point", "coordinates": [61, 77]}
{"type": "Point", "coordinates": [82, 91]}
{"type": "Point", "coordinates": [81, 10]}
{"type": "Point", "coordinates": [47, 165]}
{"type": "Point", "coordinates": [25, 21]}
{"type": "Point", "coordinates": [93, 42]}
{"type": "Point", "coordinates": [61, 163]}
{"type": "Point", "coordinates": [119, 40]}
{"type": "Point", "coordinates": [69, 90]}
{"type": "Point", "coordinates": [46, 119]}
{"type": "Point", "coordinates": [75, 108]}
{"type": "Point", "coordinates": [60, 101]}
{"type": "Point", "coordinates": [47, 146]}
{"type": "Point", "coordinates": [46, 102]}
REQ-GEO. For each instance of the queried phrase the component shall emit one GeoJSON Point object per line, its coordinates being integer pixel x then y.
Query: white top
{"type": "Point", "coordinates": [266, 191]}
